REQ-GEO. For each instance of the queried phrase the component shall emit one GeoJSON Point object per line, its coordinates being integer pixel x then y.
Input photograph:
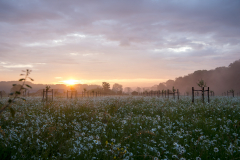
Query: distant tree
{"type": "Point", "coordinates": [134, 93]}
{"type": "Point", "coordinates": [201, 83]}
{"type": "Point", "coordinates": [106, 86]}
{"type": "Point", "coordinates": [84, 89]}
{"type": "Point", "coordinates": [117, 88]}
{"type": "Point", "coordinates": [161, 86]}
{"type": "Point", "coordinates": [128, 90]}
{"type": "Point", "coordinates": [169, 83]}
{"type": "Point", "coordinates": [138, 89]}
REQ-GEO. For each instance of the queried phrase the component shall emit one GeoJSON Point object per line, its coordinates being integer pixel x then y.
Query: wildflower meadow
{"type": "Point", "coordinates": [127, 127]}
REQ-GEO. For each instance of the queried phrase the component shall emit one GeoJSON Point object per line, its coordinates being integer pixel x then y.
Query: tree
{"type": "Point", "coordinates": [127, 89]}
{"type": "Point", "coordinates": [169, 83]}
{"type": "Point", "coordinates": [117, 88]}
{"type": "Point", "coordinates": [134, 93]}
{"type": "Point", "coordinates": [161, 86]}
{"type": "Point", "coordinates": [106, 86]}
{"type": "Point", "coordinates": [138, 89]}
{"type": "Point", "coordinates": [201, 83]}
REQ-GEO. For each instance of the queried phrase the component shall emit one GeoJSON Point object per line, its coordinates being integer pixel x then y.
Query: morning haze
{"type": "Point", "coordinates": [120, 79]}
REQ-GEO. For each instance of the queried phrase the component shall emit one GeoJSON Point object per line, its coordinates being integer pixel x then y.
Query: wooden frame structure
{"type": "Point", "coordinates": [230, 93]}
{"type": "Point", "coordinates": [202, 93]}
{"type": "Point", "coordinates": [46, 92]}
{"type": "Point", "coordinates": [72, 94]}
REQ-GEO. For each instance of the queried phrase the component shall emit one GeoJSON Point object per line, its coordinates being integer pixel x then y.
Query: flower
{"type": "Point", "coordinates": [216, 149]}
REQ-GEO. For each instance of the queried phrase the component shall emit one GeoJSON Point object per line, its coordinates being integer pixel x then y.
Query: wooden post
{"type": "Point", "coordinates": [208, 94]}
{"type": "Point", "coordinates": [52, 94]}
{"type": "Point", "coordinates": [1, 93]}
{"type": "Point", "coordinates": [192, 94]}
{"type": "Point", "coordinates": [43, 95]}
{"type": "Point", "coordinates": [233, 93]}
{"type": "Point", "coordinates": [168, 93]}
{"type": "Point", "coordinates": [178, 93]}
{"type": "Point", "coordinates": [46, 95]}
{"type": "Point", "coordinates": [203, 94]}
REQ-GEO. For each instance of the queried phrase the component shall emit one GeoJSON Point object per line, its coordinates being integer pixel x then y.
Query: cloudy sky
{"type": "Point", "coordinates": [131, 42]}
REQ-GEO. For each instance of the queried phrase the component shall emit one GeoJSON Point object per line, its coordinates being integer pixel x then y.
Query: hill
{"type": "Point", "coordinates": [219, 80]}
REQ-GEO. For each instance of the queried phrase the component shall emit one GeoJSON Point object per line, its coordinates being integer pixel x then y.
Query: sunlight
{"type": "Point", "coordinates": [71, 82]}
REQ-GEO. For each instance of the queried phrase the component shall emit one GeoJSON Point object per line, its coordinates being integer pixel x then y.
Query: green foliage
{"type": "Point", "coordinates": [47, 87]}
{"type": "Point", "coordinates": [201, 83]}
{"type": "Point", "coordinates": [28, 86]}
{"type": "Point", "coordinates": [173, 89]}
{"type": "Point", "coordinates": [17, 93]}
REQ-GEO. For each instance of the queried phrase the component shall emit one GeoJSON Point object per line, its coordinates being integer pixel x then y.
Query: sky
{"type": "Point", "coordinates": [131, 42]}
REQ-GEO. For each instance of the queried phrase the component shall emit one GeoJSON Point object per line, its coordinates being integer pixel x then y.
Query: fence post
{"type": "Point", "coordinates": [1, 93]}
{"type": "Point", "coordinates": [203, 94]}
{"type": "Point", "coordinates": [208, 94]}
{"type": "Point", "coordinates": [192, 94]}
{"type": "Point", "coordinates": [178, 93]}
{"type": "Point", "coordinates": [43, 95]}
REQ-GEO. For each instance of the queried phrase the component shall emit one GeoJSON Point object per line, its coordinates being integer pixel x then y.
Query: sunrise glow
{"type": "Point", "coordinates": [71, 82]}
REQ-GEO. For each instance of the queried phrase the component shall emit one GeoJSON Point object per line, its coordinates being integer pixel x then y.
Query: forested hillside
{"type": "Point", "coordinates": [219, 80]}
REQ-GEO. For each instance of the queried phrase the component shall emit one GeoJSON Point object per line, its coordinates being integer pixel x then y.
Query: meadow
{"type": "Point", "coordinates": [121, 128]}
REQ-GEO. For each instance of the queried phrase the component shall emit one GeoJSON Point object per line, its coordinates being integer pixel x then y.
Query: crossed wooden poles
{"type": "Point", "coordinates": [202, 93]}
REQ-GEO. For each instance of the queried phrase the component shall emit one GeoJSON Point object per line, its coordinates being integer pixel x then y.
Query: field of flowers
{"type": "Point", "coordinates": [121, 128]}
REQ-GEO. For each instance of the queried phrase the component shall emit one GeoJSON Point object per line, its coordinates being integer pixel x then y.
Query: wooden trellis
{"type": "Point", "coordinates": [202, 93]}
{"type": "Point", "coordinates": [71, 94]}
{"type": "Point", "coordinates": [45, 93]}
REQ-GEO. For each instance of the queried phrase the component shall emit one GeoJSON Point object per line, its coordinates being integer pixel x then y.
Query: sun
{"type": "Point", "coordinates": [70, 82]}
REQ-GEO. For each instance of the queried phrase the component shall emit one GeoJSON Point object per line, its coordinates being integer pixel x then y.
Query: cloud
{"type": "Point", "coordinates": [133, 38]}
{"type": "Point", "coordinates": [18, 66]}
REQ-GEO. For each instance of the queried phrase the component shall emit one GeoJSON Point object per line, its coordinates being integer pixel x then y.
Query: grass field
{"type": "Point", "coordinates": [121, 128]}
